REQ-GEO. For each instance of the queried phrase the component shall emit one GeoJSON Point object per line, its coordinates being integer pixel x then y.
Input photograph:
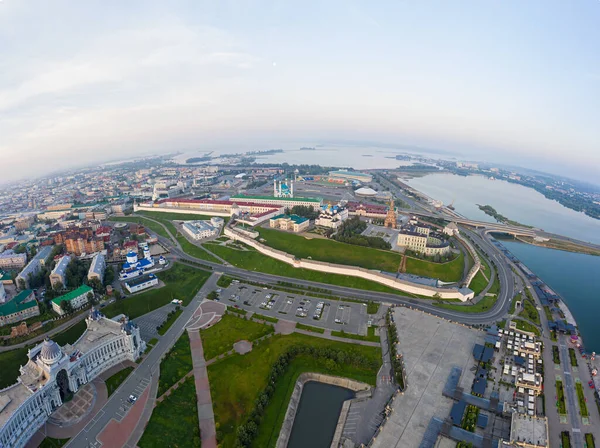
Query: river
{"type": "Point", "coordinates": [514, 201]}
{"type": "Point", "coordinates": [573, 277]}
{"type": "Point", "coordinates": [318, 414]}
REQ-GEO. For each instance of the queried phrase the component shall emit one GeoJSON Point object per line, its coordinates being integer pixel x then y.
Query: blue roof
{"type": "Point", "coordinates": [520, 360]}
{"type": "Point", "coordinates": [456, 414]}
{"type": "Point", "coordinates": [131, 254]}
{"type": "Point", "coordinates": [481, 353]}
{"type": "Point", "coordinates": [479, 386]}
{"type": "Point", "coordinates": [482, 420]}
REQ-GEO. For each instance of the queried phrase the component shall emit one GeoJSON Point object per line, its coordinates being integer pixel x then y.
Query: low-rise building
{"type": "Point", "coordinates": [9, 259]}
{"type": "Point", "coordinates": [58, 273]}
{"type": "Point", "coordinates": [451, 229]}
{"type": "Point", "coordinates": [97, 268]}
{"type": "Point", "coordinates": [78, 298]}
{"type": "Point", "coordinates": [199, 230]}
{"type": "Point", "coordinates": [527, 431]}
{"type": "Point", "coordinates": [421, 239]}
{"type": "Point", "coordinates": [21, 307]}
{"type": "Point", "coordinates": [34, 266]}
{"type": "Point", "coordinates": [141, 283]}
{"type": "Point", "coordinates": [294, 223]}
{"type": "Point", "coordinates": [531, 381]}
{"type": "Point", "coordinates": [314, 203]}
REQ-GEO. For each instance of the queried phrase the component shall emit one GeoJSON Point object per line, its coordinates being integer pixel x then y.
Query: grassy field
{"type": "Point", "coordinates": [157, 228]}
{"type": "Point", "coordinates": [176, 364]}
{"type": "Point", "coordinates": [573, 357]}
{"type": "Point", "coordinates": [181, 282]}
{"type": "Point", "coordinates": [237, 311]}
{"type": "Point", "coordinates": [174, 421]}
{"type": "Point", "coordinates": [310, 328]}
{"type": "Point", "coordinates": [230, 329]}
{"type": "Point", "coordinates": [265, 318]}
{"type": "Point", "coordinates": [70, 335]}
{"type": "Point", "coordinates": [530, 312]}
{"type": "Point", "coordinates": [484, 304]}
{"type": "Point", "coordinates": [513, 303]}
{"type": "Point", "coordinates": [555, 354]}
{"type": "Point", "coordinates": [113, 382]}
{"type": "Point", "coordinates": [167, 324]}
{"type": "Point", "coordinates": [335, 252]}
{"type": "Point", "coordinates": [560, 398]}
{"type": "Point", "coordinates": [255, 261]}
{"type": "Point", "coordinates": [371, 336]}
{"type": "Point", "coordinates": [526, 326]}
{"type": "Point", "coordinates": [236, 381]}
{"type": "Point", "coordinates": [49, 442]}
{"type": "Point", "coordinates": [478, 283]}
{"type": "Point", "coordinates": [372, 307]}
{"type": "Point", "coordinates": [589, 440]}
{"type": "Point", "coordinates": [548, 313]}
{"type": "Point", "coordinates": [583, 410]}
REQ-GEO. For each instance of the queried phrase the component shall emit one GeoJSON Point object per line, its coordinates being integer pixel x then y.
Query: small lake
{"type": "Point", "coordinates": [318, 414]}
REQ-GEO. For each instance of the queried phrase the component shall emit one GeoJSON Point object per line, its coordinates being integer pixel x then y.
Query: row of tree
{"type": "Point", "coordinates": [397, 366]}
{"type": "Point", "coordinates": [332, 357]}
{"type": "Point", "coordinates": [303, 210]}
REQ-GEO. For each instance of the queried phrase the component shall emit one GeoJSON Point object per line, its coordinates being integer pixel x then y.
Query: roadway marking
{"type": "Point", "coordinates": [567, 373]}
{"type": "Point", "coordinates": [576, 430]}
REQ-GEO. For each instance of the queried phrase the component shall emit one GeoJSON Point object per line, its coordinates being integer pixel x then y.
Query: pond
{"type": "Point", "coordinates": [318, 414]}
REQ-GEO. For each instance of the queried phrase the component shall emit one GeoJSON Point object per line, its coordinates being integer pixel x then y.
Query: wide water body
{"type": "Point", "coordinates": [514, 201]}
{"type": "Point", "coordinates": [574, 277]}
{"type": "Point", "coordinates": [318, 413]}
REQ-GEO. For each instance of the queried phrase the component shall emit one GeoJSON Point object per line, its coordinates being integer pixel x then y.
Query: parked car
{"type": "Point", "coordinates": [132, 399]}
{"type": "Point", "coordinates": [591, 384]}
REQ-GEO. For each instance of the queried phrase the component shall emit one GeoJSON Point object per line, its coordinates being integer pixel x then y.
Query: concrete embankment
{"type": "Point", "coordinates": [290, 415]}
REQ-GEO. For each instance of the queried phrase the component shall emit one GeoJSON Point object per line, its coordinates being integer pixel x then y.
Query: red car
{"type": "Point", "coordinates": [591, 384]}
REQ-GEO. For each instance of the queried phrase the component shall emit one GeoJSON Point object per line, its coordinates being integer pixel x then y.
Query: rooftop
{"type": "Point", "coordinates": [18, 303]}
{"type": "Point", "coordinates": [532, 430]}
{"type": "Point", "coordinates": [273, 198]}
{"type": "Point", "coordinates": [96, 265]}
{"type": "Point", "coordinates": [295, 218]}
{"type": "Point", "coordinates": [83, 289]}
{"type": "Point", "coordinates": [61, 265]}
{"type": "Point", "coordinates": [98, 331]}
{"type": "Point", "coordinates": [140, 280]}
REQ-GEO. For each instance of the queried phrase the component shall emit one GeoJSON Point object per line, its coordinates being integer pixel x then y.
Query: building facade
{"type": "Point", "coordinates": [58, 273]}
{"type": "Point", "coordinates": [292, 223]}
{"type": "Point", "coordinates": [420, 239]}
{"type": "Point", "coordinates": [53, 373]}
{"type": "Point", "coordinates": [21, 307]}
{"type": "Point", "coordinates": [35, 265]}
{"type": "Point", "coordinates": [141, 283]}
{"type": "Point", "coordinates": [314, 203]}
{"type": "Point", "coordinates": [97, 268]}
{"type": "Point", "coordinates": [78, 298]}
{"type": "Point", "coordinates": [332, 217]}
{"type": "Point", "coordinates": [11, 260]}
{"type": "Point", "coordinates": [200, 230]}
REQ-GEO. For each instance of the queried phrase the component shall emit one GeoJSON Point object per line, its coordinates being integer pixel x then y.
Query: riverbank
{"type": "Point", "coordinates": [566, 246]}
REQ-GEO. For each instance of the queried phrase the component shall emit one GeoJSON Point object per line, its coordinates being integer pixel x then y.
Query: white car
{"type": "Point", "coordinates": [132, 399]}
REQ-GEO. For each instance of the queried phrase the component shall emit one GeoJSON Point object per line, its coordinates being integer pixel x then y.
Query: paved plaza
{"type": "Point", "coordinates": [148, 322]}
{"type": "Point", "coordinates": [73, 411]}
{"type": "Point", "coordinates": [431, 347]}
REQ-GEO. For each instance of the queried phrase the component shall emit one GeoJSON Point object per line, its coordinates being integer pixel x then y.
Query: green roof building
{"type": "Point", "coordinates": [77, 297]}
{"type": "Point", "coordinates": [20, 307]}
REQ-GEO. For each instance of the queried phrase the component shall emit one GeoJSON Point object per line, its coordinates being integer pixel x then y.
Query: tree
{"type": "Point", "coordinates": [96, 285]}
{"type": "Point", "coordinates": [92, 298]}
{"type": "Point", "coordinates": [66, 306]}
{"type": "Point", "coordinates": [33, 251]}
{"type": "Point", "coordinates": [58, 286]}
{"type": "Point", "coordinates": [21, 284]}
{"type": "Point", "coordinates": [117, 294]}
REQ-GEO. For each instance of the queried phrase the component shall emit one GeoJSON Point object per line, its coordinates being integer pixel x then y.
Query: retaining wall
{"type": "Point", "coordinates": [321, 266]}
{"type": "Point", "coordinates": [180, 210]}
{"type": "Point", "coordinates": [290, 415]}
{"type": "Point", "coordinates": [476, 261]}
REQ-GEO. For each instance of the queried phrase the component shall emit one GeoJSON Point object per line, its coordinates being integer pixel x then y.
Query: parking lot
{"type": "Point", "coordinates": [323, 313]}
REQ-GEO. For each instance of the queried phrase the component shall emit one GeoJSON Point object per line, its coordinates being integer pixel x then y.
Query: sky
{"type": "Point", "coordinates": [506, 81]}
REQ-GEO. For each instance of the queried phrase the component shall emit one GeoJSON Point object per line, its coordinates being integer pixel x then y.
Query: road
{"type": "Point", "coordinates": [571, 395]}
{"type": "Point", "coordinates": [142, 374]}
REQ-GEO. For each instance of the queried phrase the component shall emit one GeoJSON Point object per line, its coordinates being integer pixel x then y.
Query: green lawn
{"type": "Point", "coordinates": [181, 282]}
{"type": "Point", "coordinates": [555, 354]}
{"type": "Point", "coordinates": [113, 382]}
{"type": "Point", "coordinates": [526, 326]}
{"type": "Point", "coordinates": [265, 318]}
{"type": "Point", "coordinates": [560, 394]}
{"type": "Point", "coordinates": [369, 337]}
{"type": "Point", "coordinates": [530, 312]}
{"type": "Point", "coordinates": [310, 328]}
{"type": "Point", "coordinates": [157, 228]}
{"type": "Point", "coordinates": [589, 440]}
{"type": "Point", "coordinates": [70, 335]}
{"type": "Point", "coordinates": [341, 253]}
{"type": "Point", "coordinates": [548, 313]}
{"type": "Point", "coordinates": [478, 283]}
{"type": "Point", "coordinates": [573, 357]}
{"type": "Point", "coordinates": [220, 337]}
{"type": "Point", "coordinates": [49, 442]}
{"type": "Point", "coordinates": [236, 381]}
{"type": "Point", "coordinates": [255, 261]}
{"type": "Point", "coordinates": [174, 421]}
{"type": "Point", "coordinates": [513, 303]}
{"type": "Point", "coordinates": [176, 364]}
{"type": "Point", "coordinates": [484, 304]}
{"type": "Point", "coordinates": [372, 307]}
{"type": "Point", "coordinates": [237, 311]}
{"type": "Point", "coordinates": [583, 410]}
{"type": "Point", "coordinates": [167, 324]}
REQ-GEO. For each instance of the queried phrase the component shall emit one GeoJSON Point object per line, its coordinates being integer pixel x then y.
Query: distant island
{"type": "Point", "coordinates": [307, 148]}
{"type": "Point", "coordinates": [491, 211]}
{"type": "Point", "coordinates": [198, 159]}
{"type": "Point", "coordinates": [264, 152]}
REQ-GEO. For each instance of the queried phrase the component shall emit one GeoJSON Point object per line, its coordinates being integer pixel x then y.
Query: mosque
{"type": "Point", "coordinates": [134, 267]}
{"type": "Point", "coordinates": [54, 373]}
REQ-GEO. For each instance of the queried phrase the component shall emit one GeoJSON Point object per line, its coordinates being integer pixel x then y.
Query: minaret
{"type": "Point", "coordinates": [275, 187]}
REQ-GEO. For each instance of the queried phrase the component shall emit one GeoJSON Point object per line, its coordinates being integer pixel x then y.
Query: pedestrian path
{"type": "Point", "coordinates": [206, 417]}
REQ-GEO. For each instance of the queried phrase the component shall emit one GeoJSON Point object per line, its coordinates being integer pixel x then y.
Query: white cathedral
{"type": "Point", "coordinates": [53, 373]}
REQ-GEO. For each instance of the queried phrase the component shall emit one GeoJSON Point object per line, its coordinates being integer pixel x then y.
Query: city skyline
{"type": "Point", "coordinates": [93, 82]}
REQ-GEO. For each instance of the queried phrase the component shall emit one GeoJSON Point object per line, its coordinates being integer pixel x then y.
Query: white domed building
{"type": "Point", "coordinates": [54, 373]}
{"type": "Point", "coordinates": [365, 192]}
